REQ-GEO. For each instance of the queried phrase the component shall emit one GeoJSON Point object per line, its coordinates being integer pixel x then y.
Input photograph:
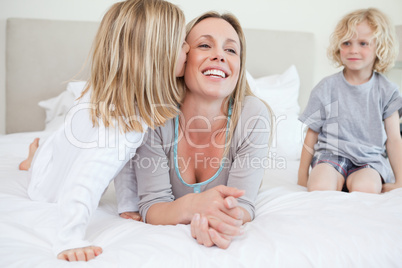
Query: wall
{"type": "Point", "coordinates": [317, 16]}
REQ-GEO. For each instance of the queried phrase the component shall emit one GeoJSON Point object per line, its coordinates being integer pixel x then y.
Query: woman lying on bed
{"type": "Point", "coordinates": [205, 167]}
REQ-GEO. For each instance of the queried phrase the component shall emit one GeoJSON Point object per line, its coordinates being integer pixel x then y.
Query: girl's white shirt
{"type": "Point", "coordinates": [75, 165]}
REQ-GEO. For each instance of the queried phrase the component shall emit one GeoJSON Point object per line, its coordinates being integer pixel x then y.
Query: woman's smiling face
{"type": "Point", "coordinates": [213, 62]}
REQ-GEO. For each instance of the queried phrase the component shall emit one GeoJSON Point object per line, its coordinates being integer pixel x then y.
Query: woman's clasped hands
{"type": "Point", "coordinates": [219, 218]}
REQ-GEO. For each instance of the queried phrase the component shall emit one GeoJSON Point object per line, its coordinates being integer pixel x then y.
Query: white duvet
{"type": "Point", "coordinates": [292, 228]}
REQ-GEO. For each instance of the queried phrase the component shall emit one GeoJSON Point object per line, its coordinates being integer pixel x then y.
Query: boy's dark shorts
{"type": "Point", "coordinates": [340, 163]}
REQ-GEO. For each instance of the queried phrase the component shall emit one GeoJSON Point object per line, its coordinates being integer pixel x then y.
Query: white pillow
{"type": "Point", "coordinates": [281, 92]}
{"type": "Point", "coordinates": [76, 87]}
{"type": "Point", "coordinates": [56, 108]}
{"type": "Point", "coordinates": [288, 138]}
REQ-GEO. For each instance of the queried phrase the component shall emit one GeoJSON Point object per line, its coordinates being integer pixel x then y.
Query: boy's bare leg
{"type": "Point", "coordinates": [26, 164]}
{"type": "Point", "coordinates": [324, 177]}
{"type": "Point", "coordinates": [365, 180]}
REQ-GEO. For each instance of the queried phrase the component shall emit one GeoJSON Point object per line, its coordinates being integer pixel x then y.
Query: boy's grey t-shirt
{"type": "Point", "coordinates": [350, 119]}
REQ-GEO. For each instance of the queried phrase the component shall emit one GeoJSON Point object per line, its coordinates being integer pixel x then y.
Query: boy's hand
{"type": "Point", "coordinates": [386, 187]}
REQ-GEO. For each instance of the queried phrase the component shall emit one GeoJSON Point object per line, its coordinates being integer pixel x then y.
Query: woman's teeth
{"type": "Point", "coordinates": [214, 72]}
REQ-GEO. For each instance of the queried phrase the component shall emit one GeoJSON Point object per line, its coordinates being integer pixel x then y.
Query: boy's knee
{"type": "Point", "coordinates": [370, 188]}
{"type": "Point", "coordinates": [318, 187]}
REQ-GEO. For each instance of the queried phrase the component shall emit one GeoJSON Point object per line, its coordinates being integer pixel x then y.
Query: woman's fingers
{"type": "Point", "coordinates": [217, 202]}
{"type": "Point", "coordinates": [225, 228]}
{"type": "Point", "coordinates": [204, 234]}
{"type": "Point", "coordinates": [232, 217]}
{"type": "Point", "coordinates": [229, 191]}
{"type": "Point", "coordinates": [199, 230]}
{"type": "Point", "coordinates": [219, 240]}
{"type": "Point", "coordinates": [230, 202]}
{"type": "Point", "coordinates": [219, 217]}
{"type": "Point", "coordinates": [194, 221]}
{"type": "Point", "coordinates": [232, 209]}
{"type": "Point", "coordinates": [211, 231]}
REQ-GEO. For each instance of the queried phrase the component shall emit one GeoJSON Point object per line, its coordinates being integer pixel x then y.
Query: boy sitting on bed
{"type": "Point", "coordinates": [353, 115]}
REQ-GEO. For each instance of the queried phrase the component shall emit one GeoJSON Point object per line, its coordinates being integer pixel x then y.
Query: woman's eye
{"type": "Point", "coordinates": [364, 44]}
{"type": "Point", "coordinates": [347, 43]}
{"type": "Point", "coordinates": [204, 46]}
{"type": "Point", "coordinates": [231, 50]}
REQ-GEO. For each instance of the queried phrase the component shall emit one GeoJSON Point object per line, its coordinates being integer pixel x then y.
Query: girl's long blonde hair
{"type": "Point", "coordinates": [383, 34]}
{"type": "Point", "coordinates": [134, 58]}
{"type": "Point", "coordinates": [242, 88]}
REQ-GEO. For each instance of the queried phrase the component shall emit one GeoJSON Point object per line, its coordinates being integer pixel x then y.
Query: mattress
{"type": "Point", "coordinates": [292, 228]}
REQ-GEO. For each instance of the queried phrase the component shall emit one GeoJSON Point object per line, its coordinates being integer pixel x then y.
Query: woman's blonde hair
{"type": "Point", "coordinates": [383, 34]}
{"type": "Point", "coordinates": [242, 88]}
{"type": "Point", "coordinates": [134, 58]}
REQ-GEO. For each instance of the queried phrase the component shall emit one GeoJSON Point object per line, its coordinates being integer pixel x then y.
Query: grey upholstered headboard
{"type": "Point", "coordinates": [42, 55]}
{"type": "Point", "coordinates": [272, 52]}
{"type": "Point", "coordinates": [398, 64]}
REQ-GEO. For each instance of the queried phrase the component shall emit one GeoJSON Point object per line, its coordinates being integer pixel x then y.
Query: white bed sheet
{"type": "Point", "coordinates": [292, 228]}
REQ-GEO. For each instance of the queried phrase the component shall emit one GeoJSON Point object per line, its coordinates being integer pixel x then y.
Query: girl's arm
{"type": "Point", "coordinates": [125, 184]}
{"type": "Point", "coordinates": [306, 156]}
{"type": "Point", "coordinates": [102, 153]}
{"type": "Point", "coordinates": [394, 150]}
{"type": "Point", "coordinates": [94, 169]}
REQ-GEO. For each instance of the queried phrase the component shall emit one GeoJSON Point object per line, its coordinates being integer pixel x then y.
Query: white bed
{"type": "Point", "coordinates": [292, 228]}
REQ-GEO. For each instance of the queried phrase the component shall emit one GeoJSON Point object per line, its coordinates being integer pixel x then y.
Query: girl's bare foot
{"type": "Point", "coordinates": [26, 164]}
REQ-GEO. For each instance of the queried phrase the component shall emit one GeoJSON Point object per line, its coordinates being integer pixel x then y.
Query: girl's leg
{"type": "Point", "coordinates": [324, 177]}
{"type": "Point", "coordinates": [26, 164]}
{"type": "Point", "coordinates": [365, 180]}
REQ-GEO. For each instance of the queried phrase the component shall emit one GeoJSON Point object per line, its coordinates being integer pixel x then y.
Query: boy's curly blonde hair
{"type": "Point", "coordinates": [383, 34]}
